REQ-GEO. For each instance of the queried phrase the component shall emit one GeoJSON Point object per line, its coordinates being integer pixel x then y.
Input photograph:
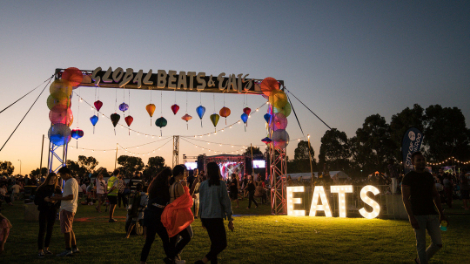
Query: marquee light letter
{"type": "Point", "coordinates": [106, 76]}
{"type": "Point", "coordinates": [201, 81]}
{"type": "Point", "coordinates": [138, 78]}
{"type": "Point", "coordinates": [127, 77]}
{"type": "Point", "coordinates": [172, 80]}
{"type": "Point", "coordinates": [319, 192]}
{"type": "Point", "coordinates": [161, 79]}
{"type": "Point", "coordinates": [291, 201]}
{"type": "Point", "coordinates": [147, 80]}
{"type": "Point", "coordinates": [182, 81]}
{"type": "Point", "coordinates": [96, 79]}
{"type": "Point", "coordinates": [375, 206]}
{"type": "Point", "coordinates": [341, 190]}
{"type": "Point", "coordinates": [220, 78]}
{"type": "Point", "coordinates": [191, 79]}
{"type": "Point", "coordinates": [117, 74]}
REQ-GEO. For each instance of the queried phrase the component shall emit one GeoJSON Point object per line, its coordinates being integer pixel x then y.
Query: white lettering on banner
{"type": "Point", "coordinates": [173, 80]}
{"type": "Point", "coordinates": [319, 193]}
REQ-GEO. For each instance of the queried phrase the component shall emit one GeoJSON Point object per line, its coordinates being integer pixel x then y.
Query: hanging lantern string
{"type": "Point", "coordinates": [215, 151]}
{"type": "Point", "coordinates": [78, 111]}
{"type": "Point", "coordinates": [200, 135]}
{"type": "Point", "coordinates": [161, 103]}
{"type": "Point", "coordinates": [213, 96]}
{"type": "Point", "coordinates": [129, 101]}
{"type": "Point", "coordinates": [186, 102]}
{"type": "Point", "coordinates": [115, 104]}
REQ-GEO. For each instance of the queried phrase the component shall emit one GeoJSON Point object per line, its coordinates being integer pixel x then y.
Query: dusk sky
{"type": "Point", "coordinates": [346, 60]}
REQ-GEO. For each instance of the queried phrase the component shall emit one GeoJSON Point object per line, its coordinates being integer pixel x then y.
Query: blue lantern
{"type": "Point", "coordinates": [267, 117]}
{"type": "Point", "coordinates": [123, 107]}
{"type": "Point", "coordinates": [94, 120]}
{"type": "Point", "coordinates": [201, 110]}
{"type": "Point", "coordinates": [244, 118]}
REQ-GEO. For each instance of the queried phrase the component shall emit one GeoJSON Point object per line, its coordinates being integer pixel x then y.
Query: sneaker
{"type": "Point", "coordinates": [75, 250]}
{"type": "Point", "coordinates": [66, 253]}
{"type": "Point", "coordinates": [47, 252]}
{"type": "Point", "coordinates": [41, 255]}
{"type": "Point", "coordinates": [112, 220]}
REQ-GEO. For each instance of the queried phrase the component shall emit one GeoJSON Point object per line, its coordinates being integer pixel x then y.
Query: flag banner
{"type": "Point", "coordinates": [412, 140]}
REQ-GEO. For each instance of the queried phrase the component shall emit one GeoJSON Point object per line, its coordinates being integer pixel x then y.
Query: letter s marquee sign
{"type": "Point", "coordinates": [341, 190]}
{"type": "Point", "coordinates": [162, 80]}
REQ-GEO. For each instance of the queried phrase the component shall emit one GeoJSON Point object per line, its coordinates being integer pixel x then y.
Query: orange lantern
{"type": "Point", "coordinates": [150, 109]}
{"type": "Point", "coordinates": [268, 85]}
{"type": "Point", "coordinates": [225, 112]}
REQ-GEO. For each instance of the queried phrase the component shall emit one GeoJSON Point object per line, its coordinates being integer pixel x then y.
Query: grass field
{"type": "Point", "coordinates": [258, 238]}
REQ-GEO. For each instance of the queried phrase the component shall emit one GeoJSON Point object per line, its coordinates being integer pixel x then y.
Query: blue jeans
{"type": "Point", "coordinates": [431, 223]}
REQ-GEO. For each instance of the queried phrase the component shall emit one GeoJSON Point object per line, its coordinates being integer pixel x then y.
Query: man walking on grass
{"type": "Point", "coordinates": [68, 208]}
{"type": "Point", "coordinates": [113, 189]}
{"type": "Point", "coordinates": [421, 199]}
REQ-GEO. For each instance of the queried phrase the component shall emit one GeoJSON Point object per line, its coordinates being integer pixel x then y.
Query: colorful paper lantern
{"type": "Point", "coordinates": [225, 112]}
{"type": "Point", "coordinates": [267, 117]}
{"type": "Point", "coordinates": [94, 119]}
{"type": "Point", "coordinates": [244, 118]}
{"type": "Point", "coordinates": [73, 75]}
{"type": "Point", "coordinates": [98, 104]}
{"type": "Point", "coordinates": [60, 89]}
{"type": "Point", "coordinates": [186, 118]}
{"type": "Point", "coordinates": [280, 121]}
{"type": "Point", "coordinates": [215, 119]}
{"type": "Point", "coordinates": [278, 99]}
{"type": "Point", "coordinates": [266, 140]}
{"type": "Point", "coordinates": [129, 120]}
{"type": "Point", "coordinates": [268, 85]}
{"type": "Point", "coordinates": [201, 110]}
{"type": "Point", "coordinates": [61, 114]}
{"type": "Point", "coordinates": [123, 107]}
{"type": "Point", "coordinates": [52, 101]}
{"type": "Point", "coordinates": [175, 108]}
{"type": "Point", "coordinates": [286, 110]}
{"type": "Point", "coordinates": [59, 134]}
{"type": "Point", "coordinates": [150, 109]}
{"type": "Point", "coordinates": [161, 122]}
{"type": "Point", "coordinates": [280, 138]}
{"type": "Point", "coordinates": [247, 110]}
{"type": "Point", "coordinates": [115, 120]}
{"type": "Point", "coordinates": [77, 134]}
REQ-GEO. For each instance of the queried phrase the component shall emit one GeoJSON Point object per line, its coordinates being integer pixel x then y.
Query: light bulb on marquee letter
{"type": "Point", "coordinates": [375, 206]}
{"type": "Point", "coordinates": [341, 190]}
{"type": "Point", "coordinates": [319, 192]}
{"type": "Point", "coordinates": [291, 201]}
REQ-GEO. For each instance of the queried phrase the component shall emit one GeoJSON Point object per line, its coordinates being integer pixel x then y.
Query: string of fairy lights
{"type": "Point", "coordinates": [240, 150]}
{"type": "Point", "coordinates": [447, 160]}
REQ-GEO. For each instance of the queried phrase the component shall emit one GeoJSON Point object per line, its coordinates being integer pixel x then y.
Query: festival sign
{"type": "Point", "coordinates": [412, 141]}
{"type": "Point", "coordinates": [173, 80]}
{"type": "Point", "coordinates": [341, 190]}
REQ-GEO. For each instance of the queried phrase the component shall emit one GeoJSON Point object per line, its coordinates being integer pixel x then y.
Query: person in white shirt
{"type": "Point", "coordinates": [68, 208]}
{"type": "Point", "coordinates": [15, 192]}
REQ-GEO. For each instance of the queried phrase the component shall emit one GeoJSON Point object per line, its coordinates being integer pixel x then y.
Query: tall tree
{"type": "Point", "coordinates": [401, 122]}
{"type": "Point", "coordinates": [39, 172]}
{"type": "Point", "coordinates": [103, 170]}
{"type": "Point", "coordinates": [374, 137]}
{"type": "Point", "coordinates": [88, 163]}
{"type": "Point", "coordinates": [6, 167]}
{"type": "Point", "coordinates": [334, 150]}
{"type": "Point", "coordinates": [154, 166]}
{"type": "Point", "coordinates": [301, 162]}
{"type": "Point", "coordinates": [446, 133]}
{"type": "Point", "coordinates": [256, 151]}
{"type": "Point", "coordinates": [130, 164]}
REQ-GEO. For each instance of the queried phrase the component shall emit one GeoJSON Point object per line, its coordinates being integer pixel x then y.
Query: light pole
{"type": "Point", "coordinates": [20, 165]}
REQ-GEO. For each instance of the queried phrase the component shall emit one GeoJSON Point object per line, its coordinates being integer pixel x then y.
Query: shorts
{"type": "Point", "coordinates": [101, 197]}
{"type": "Point", "coordinates": [464, 194]}
{"type": "Point", "coordinates": [112, 199]}
{"type": "Point", "coordinates": [66, 221]}
{"type": "Point", "coordinates": [234, 194]}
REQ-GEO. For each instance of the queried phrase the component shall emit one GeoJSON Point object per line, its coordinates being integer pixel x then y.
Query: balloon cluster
{"type": "Point", "coordinates": [278, 111]}
{"type": "Point", "coordinates": [59, 103]}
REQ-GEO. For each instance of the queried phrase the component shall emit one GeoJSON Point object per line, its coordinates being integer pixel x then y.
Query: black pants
{"type": "Point", "coordinates": [186, 237]}
{"type": "Point", "coordinates": [216, 231]}
{"type": "Point", "coordinates": [251, 197]}
{"type": "Point", "coordinates": [122, 197]}
{"type": "Point", "coordinates": [153, 227]}
{"type": "Point", "coordinates": [46, 225]}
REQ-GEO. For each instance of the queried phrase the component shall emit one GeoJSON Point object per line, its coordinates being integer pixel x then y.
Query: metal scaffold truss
{"type": "Point", "coordinates": [58, 154]}
{"type": "Point", "coordinates": [278, 169]}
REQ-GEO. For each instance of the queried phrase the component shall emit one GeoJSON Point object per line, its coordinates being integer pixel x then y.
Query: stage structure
{"type": "Point", "coordinates": [226, 160]}
{"type": "Point", "coordinates": [167, 80]}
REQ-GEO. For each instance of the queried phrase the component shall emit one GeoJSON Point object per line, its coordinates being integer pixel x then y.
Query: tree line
{"type": "Point", "coordinates": [378, 143]}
